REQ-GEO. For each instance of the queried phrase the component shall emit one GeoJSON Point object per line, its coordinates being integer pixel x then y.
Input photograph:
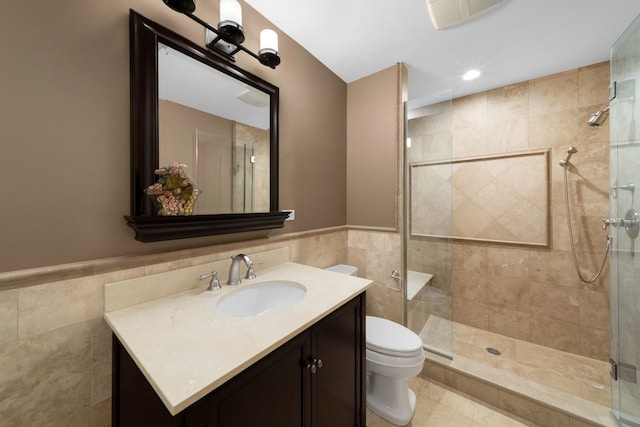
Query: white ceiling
{"type": "Point", "coordinates": [516, 41]}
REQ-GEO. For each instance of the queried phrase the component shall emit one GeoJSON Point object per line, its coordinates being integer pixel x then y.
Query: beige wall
{"type": "Point", "coordinates": [65, 129]}
{"type": "Point", "coordinates": [374, 122]}
{"type": "Point", "coordinates": [529, 293]}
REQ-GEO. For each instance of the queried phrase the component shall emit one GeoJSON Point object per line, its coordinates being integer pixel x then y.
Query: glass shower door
{"type": "Point", "coordinates": [624, 169]}
{"type": "Point", "coordinates": [428, 221]}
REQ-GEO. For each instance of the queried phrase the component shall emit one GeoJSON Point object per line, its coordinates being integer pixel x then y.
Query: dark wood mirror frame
{"type": "Point", "coordinates": [144, 38]}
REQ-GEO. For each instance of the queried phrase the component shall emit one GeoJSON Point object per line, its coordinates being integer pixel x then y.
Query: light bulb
{"type": "Point", "coordinates": [268, 40]}
{"type": "Point", "coordinates": [230, 10]}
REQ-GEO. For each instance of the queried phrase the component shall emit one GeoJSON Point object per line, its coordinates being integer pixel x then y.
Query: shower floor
{"type": "Point", "coordinates": [569, 383]}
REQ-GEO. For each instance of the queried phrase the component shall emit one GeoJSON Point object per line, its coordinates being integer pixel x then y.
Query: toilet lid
{"type": "Point", "coordinates": [387, 337]}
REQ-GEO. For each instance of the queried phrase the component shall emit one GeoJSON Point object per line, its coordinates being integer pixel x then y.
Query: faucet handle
{"type": "Point", "coordinates": [251, 274]}
{"type": "Point", "coordinates": [214, 284]}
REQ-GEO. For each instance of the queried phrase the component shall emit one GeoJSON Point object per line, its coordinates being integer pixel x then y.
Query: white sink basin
{"type": "Point", "coordinates": [261, 298]}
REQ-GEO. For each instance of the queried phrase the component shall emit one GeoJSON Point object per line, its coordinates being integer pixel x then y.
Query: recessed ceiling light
{"type": "Point", "coordinates": [471, 74]}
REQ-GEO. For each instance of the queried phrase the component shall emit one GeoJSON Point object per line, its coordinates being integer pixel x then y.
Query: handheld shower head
{"type": "Point", "coordinates": [598, 117]}
{"type": "Point", "coordinates": [571, 151]}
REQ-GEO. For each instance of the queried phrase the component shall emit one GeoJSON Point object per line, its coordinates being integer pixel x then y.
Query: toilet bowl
{"type": "Point", "coordinates": [394, 354]}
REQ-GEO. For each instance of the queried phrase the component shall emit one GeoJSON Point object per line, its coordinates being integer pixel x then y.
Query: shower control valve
{"type": "Point", "coordinates": [614, 222]}
{"type": "Point", "coordinates": [630, 222]}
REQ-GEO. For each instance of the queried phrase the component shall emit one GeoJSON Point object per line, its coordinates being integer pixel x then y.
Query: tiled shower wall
{"type": "Point", "coordinates": [55, 348]}
{"type": "Point", "coordinates": [533, 293]}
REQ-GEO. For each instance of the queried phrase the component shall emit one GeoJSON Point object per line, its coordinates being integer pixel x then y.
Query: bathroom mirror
{"type": "Point", "coordinates": [219, 120]}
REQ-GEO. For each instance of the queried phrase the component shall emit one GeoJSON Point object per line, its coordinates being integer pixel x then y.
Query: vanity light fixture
{"type": "Point", "coordinates": [227, 39]}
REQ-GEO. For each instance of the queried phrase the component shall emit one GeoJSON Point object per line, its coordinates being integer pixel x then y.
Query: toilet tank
{"type": "Point", "coordinates": [344, 269]}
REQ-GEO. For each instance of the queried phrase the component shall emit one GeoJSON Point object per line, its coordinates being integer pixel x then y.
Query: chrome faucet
{"type": "Point", "coordinates": [234, 271]}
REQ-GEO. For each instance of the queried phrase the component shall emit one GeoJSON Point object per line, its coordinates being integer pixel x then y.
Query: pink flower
{"type": "Point", "coordinates": [175, 169]}
{"type": "Point", "coordinates": [155, 189]}
{"type": "Point", "coordinates": [171, 206]}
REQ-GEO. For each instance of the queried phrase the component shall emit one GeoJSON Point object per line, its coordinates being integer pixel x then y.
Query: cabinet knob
{"type": "Point", "coordinates": [314, 365]}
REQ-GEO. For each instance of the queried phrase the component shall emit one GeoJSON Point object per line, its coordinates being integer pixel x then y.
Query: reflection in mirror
{"type": "Point", "coordinates": [219, 127]}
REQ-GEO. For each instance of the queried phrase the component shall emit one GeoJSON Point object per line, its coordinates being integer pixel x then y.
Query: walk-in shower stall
{"type": "Point", "coordinates": [522, 273]}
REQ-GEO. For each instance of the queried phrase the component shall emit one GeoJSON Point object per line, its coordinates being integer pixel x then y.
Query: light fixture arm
{"type": "Point", "coordinates": [269, 57]}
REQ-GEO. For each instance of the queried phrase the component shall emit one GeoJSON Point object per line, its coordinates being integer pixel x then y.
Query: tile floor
{"type": "Point", "coordinates": [440, 406]}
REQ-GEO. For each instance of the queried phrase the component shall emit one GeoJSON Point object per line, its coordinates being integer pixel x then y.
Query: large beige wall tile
{"type": "Point", "coordinates": [385, 302]}
{"type": "Point", "coordinates": [559, 302]}
{"type": "Point", "coordinates": [509, 136]}
{"type": "Point", "coordinates": [470, 257]}
{"type": "Point", "coordinates": [558, 92]}
{"type": "Point", "coordinates": [101, 362]}
{"type": "Point", "coordinates": [591, 91]}
{"type": "Point", "coordinates": [45, 379]}
{"type": "Point", "coordinates": [470, 286]}
{"type": "Point", "coordinates": [553, 130]}
{"type": "Point", "coordinates": [595, 342]}
{"type": "Point", "coordinates": [555, 334]}
{"type": "Point", "coordinates": [507, 292]}
{"type": "Point", "coordinates": [471, 313]}
{"type": "Point", "coordinates": [47, 307]}
{"type": "Point", "coordinates": [553, 268]}
{"type": "Point", "coordinates": [376, 254]}
{"type": "Point", "coordinates": [101, 414]}
{"type": "Point", "coordinates": [470, 110]}
{"type": "Point", "coordinates": [511, 323]}
{"type": "Point", "coordinates": [323, 250]}
{"type": "Point", "coordinates": [8, 316]}
{"type": "Point", "coordinates": [508, 262]}
{"type": "Point", "coordinates": [508, 103]}
{"type": "Point", "coordinates": [594, 309]}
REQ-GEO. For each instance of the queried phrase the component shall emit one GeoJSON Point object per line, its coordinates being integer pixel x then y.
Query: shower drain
{"type": "Point", "coordinates": [494, 351]}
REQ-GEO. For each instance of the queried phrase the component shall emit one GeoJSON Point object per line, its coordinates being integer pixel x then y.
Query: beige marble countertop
{"type": "Point", "coordinates": [186, 348]}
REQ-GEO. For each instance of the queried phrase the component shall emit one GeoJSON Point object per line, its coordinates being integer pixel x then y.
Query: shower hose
{"type": "Point", "coordinates": [573, 247]}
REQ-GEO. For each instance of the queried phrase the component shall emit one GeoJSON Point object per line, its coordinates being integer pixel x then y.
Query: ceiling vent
{"type": "Point", "coordinates": [448, 13]}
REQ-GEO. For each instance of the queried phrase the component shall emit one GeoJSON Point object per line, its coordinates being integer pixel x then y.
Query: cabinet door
{"type": "Point", "coordinates": [339, 385]}
{"type": "Point", "coordinates": [272, 393]}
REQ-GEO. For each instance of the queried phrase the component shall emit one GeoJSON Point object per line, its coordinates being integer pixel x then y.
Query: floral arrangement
{"type": "Point", "coordinates": [173, 193]}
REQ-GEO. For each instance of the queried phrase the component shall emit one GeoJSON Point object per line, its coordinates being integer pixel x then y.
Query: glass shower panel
{"type": "Point", "coordinates": [428, 213]}
{"type": "Point", "coordinates": [243, 176]}
{"type": "Point", "coordinates": [625, 260]}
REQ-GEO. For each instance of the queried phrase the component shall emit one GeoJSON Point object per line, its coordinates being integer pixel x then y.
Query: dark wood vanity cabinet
{"type": "Point", "coordinates": [316, 379]}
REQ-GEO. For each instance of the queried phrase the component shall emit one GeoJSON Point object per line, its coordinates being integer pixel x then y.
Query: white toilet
{"type": "Point", "coordinates": [394, 354]}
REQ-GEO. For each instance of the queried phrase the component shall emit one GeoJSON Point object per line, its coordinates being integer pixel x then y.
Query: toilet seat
{"type": "Point", "coordinates": [390, 338]}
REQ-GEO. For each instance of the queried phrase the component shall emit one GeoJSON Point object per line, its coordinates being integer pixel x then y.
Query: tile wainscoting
{"type": "Point", "coordinates": [55, 357]}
